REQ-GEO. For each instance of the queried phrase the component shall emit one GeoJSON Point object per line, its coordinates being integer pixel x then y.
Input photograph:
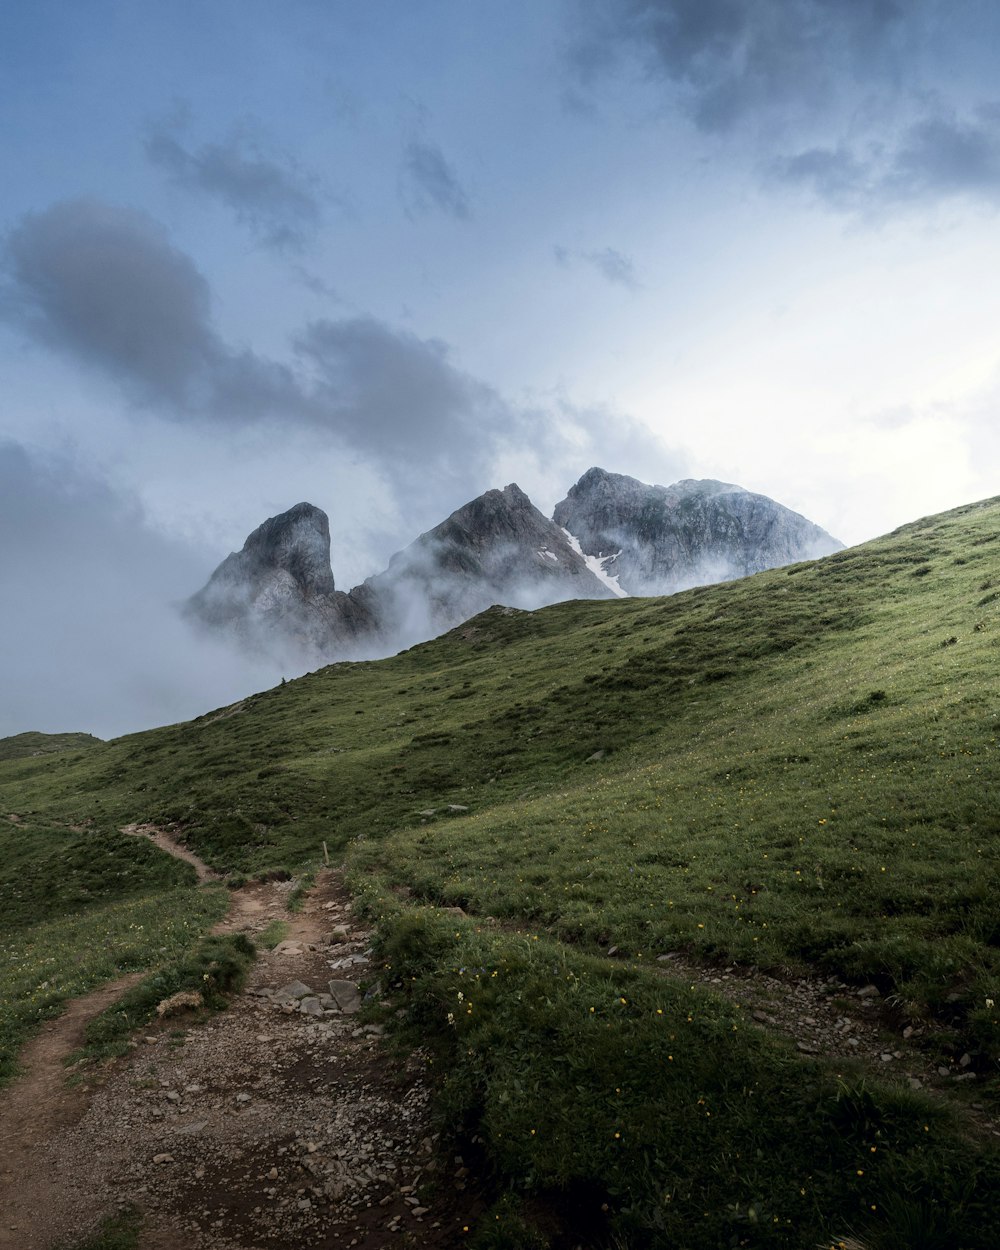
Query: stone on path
{"type": "Point", "coordinates": [292, 991]}
{"type": "Point", "coordinates": [346, 996]}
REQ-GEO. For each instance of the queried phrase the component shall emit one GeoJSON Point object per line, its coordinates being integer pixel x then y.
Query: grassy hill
{"type": "Point", "coordinates": [796, 771]}
{"type": "Point", "coordinates": [32, 743]}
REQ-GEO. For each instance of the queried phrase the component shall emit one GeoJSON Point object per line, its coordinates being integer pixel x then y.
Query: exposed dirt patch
{"type": "Point", "coordinates": [277, 1123]}
{"type": "Point", "coordinates": [38, 1108]}
{"type": "Point", "coordinates": [832, 1020]}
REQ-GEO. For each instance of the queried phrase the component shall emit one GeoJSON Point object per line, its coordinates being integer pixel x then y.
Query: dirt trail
{"type": "Point", "coordinates": [277, 1123]}
{"type": "Point", "coordinates": [40, 1105]}
{"type": "Point", "coordinates": [162, 839]}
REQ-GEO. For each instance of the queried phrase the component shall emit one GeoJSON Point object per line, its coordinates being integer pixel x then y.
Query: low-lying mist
{"type": "Point", "coordinates": [90, 634]}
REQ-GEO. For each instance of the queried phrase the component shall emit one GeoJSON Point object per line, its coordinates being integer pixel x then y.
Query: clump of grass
{"type": "Point", "coordinates": [116, 1232]}
{"type": "Point", "coordinates": [297, 897]}
{"type": "Point", "coordinates": [507, 1226]}
{"type": "Point", "coordinates": [275, 932]}
{"type": "Point", "coordinates": [215, 968]}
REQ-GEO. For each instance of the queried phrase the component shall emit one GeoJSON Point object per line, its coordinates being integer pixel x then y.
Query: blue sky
{"type": "Point", "coordinates": [385, 256]}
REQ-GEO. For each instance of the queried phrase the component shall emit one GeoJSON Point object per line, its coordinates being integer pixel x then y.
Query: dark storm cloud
{"type": "Point", "coordinates": [730, 58]}
{"type": "Point", "coordinates": [611, 264]}
{"type": "Point", "coordinates": [429, 184]}
{"type": "Point", "coordinates": [104, 284]}
{"type": "Point", "coordinates": [398, 398]}
{"type": "Point", "coordinates": [938, 157]}
{"type": "Point", "coordinates": [271, 195]}
{"type": "Point", "coordinates": [91, 637]}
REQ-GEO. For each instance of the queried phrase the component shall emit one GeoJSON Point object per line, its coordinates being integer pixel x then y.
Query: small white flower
{"type": "Point", "coordinates": [989, 1002]}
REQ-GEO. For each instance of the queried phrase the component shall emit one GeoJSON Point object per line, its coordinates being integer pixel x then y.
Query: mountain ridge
{"type": "Point", "coordinates": [611, 536]}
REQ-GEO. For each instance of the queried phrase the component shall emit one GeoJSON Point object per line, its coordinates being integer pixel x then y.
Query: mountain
{"type": "Point", "coordinates": [278, 592]}
{"type": "Point", "coordinates": [497, 549]}
{"type": "Point", "coordinates": [656, 540]}
{"type": "Point", "coordinates": [611, 536]}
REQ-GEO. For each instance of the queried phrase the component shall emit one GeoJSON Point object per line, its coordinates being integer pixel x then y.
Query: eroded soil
{"type": "Point", "coordinates": [278, 1122]}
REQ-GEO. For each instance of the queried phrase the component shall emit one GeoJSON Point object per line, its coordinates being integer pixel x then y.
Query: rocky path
{"type": "Point", "coordinates": [276, 1123]}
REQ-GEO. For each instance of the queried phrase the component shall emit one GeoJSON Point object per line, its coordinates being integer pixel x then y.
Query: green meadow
{"type": "Point", "coordinates": [796, 772]}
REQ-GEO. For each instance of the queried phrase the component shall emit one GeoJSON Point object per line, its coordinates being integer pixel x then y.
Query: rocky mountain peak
{"type": "Point", "coordinates": [611, 536]}
{"type": "Point", "coordinates": [493, 516]}
{"type": "Point", "coordinates": [278, 591]}
{"type": "Point", "coordinates": [297, 542]}
{"type": "Point", "coordinates": [656, 540]}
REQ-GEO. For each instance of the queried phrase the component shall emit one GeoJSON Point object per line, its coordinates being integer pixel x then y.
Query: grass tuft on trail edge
{"type": "Point", "coordinates": [216, 968]}
{"type": "Point", "coordinates": [116, 1232]}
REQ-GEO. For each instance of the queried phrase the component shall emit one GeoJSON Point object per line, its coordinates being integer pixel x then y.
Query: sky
{"type": "Point", "coordinates": [383, 257]}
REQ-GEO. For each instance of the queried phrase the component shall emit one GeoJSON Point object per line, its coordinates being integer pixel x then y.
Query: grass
{"type": "Point", "coordinates": [650, 1111]}
{"type": "Point", "coordinates": [793, 771]}
{"type": "Point", "coordinates": [117, 1232]}
{"type": "Point", "coordinates": [215, 968]}
{"type": "Point", "coordinates": [27, 744]}
{"type": "Point", "coordinates": [297, 897]}
{"type": "Point", "coordinates": [273, 934]}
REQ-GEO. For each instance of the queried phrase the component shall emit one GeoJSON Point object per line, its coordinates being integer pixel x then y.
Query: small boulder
{"type": "Point", "coordinates": [292, 991]}
{"type": "Point", "coordinates": [346, 996]}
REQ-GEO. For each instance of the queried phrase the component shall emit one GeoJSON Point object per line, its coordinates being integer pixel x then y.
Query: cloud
{"type": "Point", "coordinates": [104, 284]}
{"type": "Point", "coordinates": [270, 194]}
{"type": "Point", "coordinates": [939, 156]}
{"type": "Point", "coordinates": [429, 184]}
{"type": "Point", "coordinates": [386, 388]}
{"type": "Point", "coordinates": [91, 641]}
{"type": "Point", "coordinates": [611, 264]}
{"type": "Point", "coordinates": [728, 59]}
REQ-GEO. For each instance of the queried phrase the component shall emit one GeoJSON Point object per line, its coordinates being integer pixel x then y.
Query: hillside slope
{"type": "Point", "coordinates": [797, 771]}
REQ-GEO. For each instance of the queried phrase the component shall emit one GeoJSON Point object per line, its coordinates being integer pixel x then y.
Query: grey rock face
{"type": "Point", "coordinates": [278, 592]}
{"type": "Point", "coordinates": [611, 535]}
{"type": "Point", "coordinates": [497, 549]}
{"type": "Point", "coordinates": [660, 539]}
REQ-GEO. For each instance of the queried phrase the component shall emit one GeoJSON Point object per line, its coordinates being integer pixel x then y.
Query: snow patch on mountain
{"type": "Point", "coordinates": [598, 565]}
